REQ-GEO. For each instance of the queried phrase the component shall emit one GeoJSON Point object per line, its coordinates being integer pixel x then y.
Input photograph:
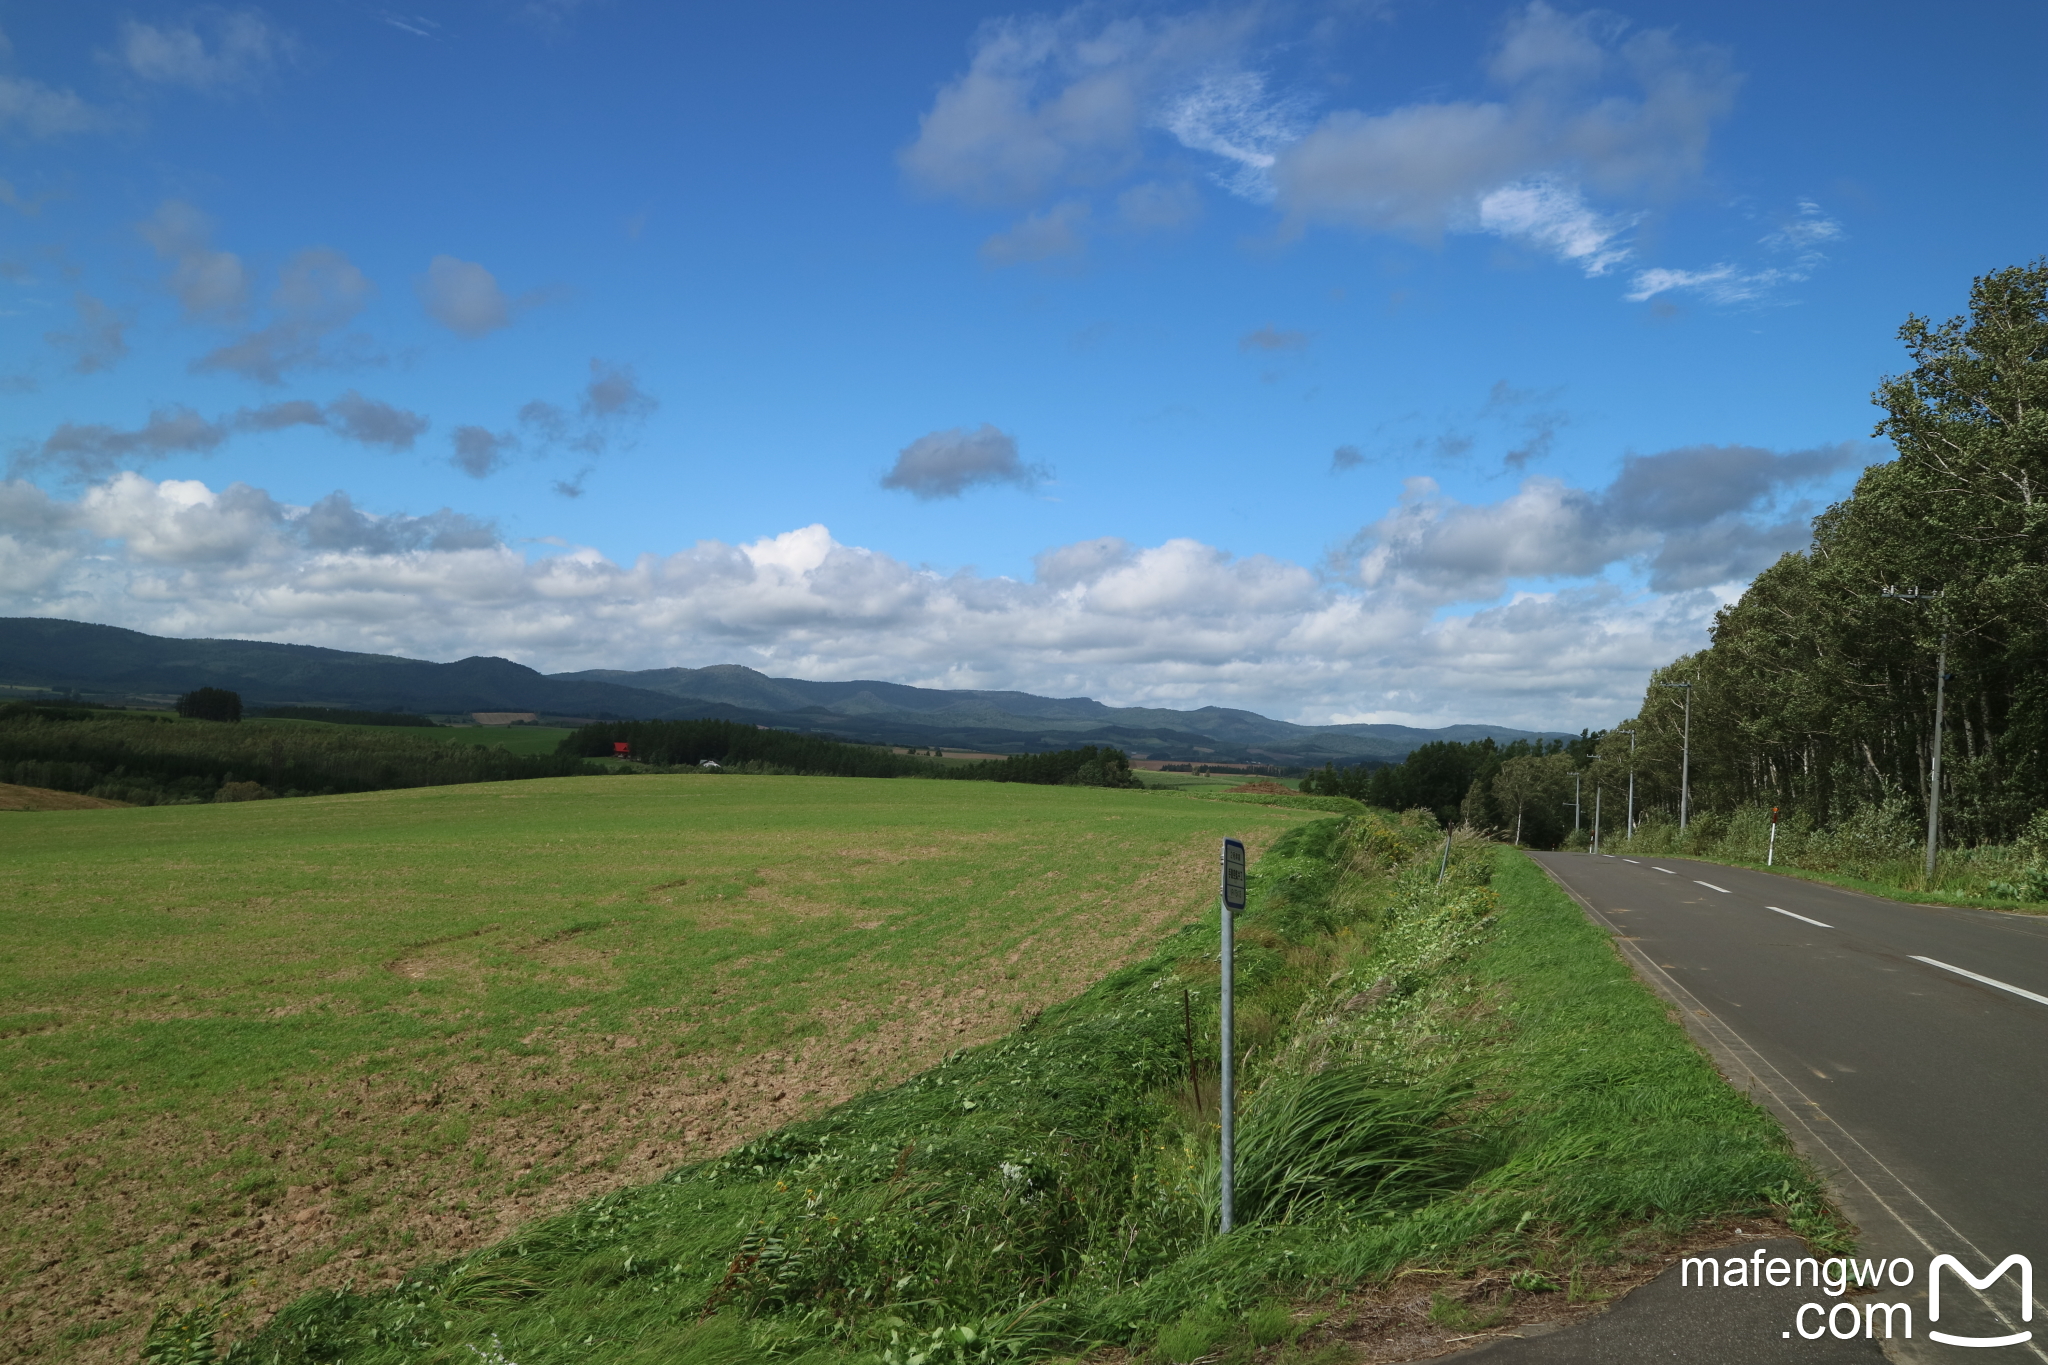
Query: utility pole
{"type": "Point", "coordinates": [1577, 804]}
{"type": "Point", "coordinates": [1631, 822]}
{"type": "Point", "coordinates": [1685, 757]}
{"type": "Point", "coordinates": [1596, 817]}
{"type": "Point", "coordinates": [1914, 594]}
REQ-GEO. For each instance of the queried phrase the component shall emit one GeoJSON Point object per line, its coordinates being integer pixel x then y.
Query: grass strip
{"type": "Point", "coordinates": [1450, 1074]}
{"type": "Point", "coordinates": [1883, 890]}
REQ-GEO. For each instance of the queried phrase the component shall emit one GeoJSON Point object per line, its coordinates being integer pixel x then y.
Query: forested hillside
{"type": "Point", "coordinates": [1817, 692]}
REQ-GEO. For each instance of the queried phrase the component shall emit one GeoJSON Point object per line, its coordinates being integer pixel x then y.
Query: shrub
{"type": "Point", "coordinates": [211, 703]}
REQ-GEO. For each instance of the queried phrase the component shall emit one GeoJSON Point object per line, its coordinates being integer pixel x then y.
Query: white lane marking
{"type": "Point", "coordinates": [1711, 887]}
{"type": "Point", "coordinates": [1989, 981]}
{"type": "Point", "coordinates": [1665, 870]}
{"type": "Point", "coordinates": [1814, 922]}
{"type": "Point", "coordinates": [1631, 860]}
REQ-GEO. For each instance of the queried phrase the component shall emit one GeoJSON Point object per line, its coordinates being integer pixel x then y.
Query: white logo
{"type": "Point", "coordinates": [1934, 1298]}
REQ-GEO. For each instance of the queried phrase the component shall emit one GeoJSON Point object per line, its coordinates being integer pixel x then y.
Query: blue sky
{"type": "Point", "coordinates": [1341, 361]}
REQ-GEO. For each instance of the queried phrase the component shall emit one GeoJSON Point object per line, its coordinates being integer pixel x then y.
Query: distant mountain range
{"type": "Point", "coordinates": [107, 663]}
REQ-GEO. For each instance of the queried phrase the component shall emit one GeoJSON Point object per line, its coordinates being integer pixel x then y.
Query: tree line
{"type": "Point", "coordinates": [334, 715]}
{"type": "Point", "coordinates": [1817, 692]}
{"type": "Point", "coordinates": [734, 745]}
{"type": "Point", "coordinates": [738, 747]}
{"type": "Point", "coordinates": [1815, 697]}
{"type": "Point", "coordinates": [1087, 766]}
{"type": "Point", "coordinates": [1520, 789]}
{"type": "Point", "coordinates": [149, 760]}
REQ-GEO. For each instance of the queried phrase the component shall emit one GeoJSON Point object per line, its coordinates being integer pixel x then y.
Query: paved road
{"type": "Point", "coordinates": [1905, 1047]}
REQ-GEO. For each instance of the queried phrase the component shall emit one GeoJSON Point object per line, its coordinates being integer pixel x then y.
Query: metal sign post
{"type": "Point", "coordinates": [1233, 901]}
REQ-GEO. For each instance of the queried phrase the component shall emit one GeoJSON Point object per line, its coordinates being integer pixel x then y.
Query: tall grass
{"type": "Point", "coordinates": [1882, 845]}
{"type": "Point", "coordinates": [1457, 1073]}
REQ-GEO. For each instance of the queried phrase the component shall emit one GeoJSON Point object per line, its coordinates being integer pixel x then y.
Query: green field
{"type": "Point", "coordinates": [1447, 1073]}
{"type": "Point", "coordinates": [517, 739]}
{"type": "Point", "coordinates": [284, 1044]}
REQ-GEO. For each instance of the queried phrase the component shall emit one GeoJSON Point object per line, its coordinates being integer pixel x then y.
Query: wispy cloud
{"type": "Point", "coordinates": [215, 51]}
{"type": "Point", "coordinates": [1051, 235]}
{"type": "Point", "coordinates": [1721, 283]}
{"type": "Point", "coordinates": [1799, 237]}
{"type": "Point", "coordinates": [33, 109]}
{"type": "Point", "coordinates": [1585, 116]}
{"type": "Point", "coordinates": [1523, 424]}
{"type": "Point", "coordinates": [206, 282]}
{"type": "Point", "coordinates": [319, 292]}
{"type": "Point", "coordinates": [1553, 217]}
{"type": "Point", "coordinates": [1271, 338]}
{"type": "Point", "coordinates": [1229, 114]}
{"type": "Point", "coordinates": [1806, 231]}
{"type": "Point", "coordinates": [98, 341]}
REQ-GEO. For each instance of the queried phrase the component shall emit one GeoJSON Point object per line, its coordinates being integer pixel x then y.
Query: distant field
{"type": "Point", "coordinates": [517, 739]}
{"type": "Point", "coordinates": [282, 1044]}
{"type": "Point", "coordinates": [18, 798]}
{"type": "Point", "coordinates": [1214, 782]}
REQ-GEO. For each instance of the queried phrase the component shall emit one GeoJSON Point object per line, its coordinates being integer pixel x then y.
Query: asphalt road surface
{"type": "Point", "coordinates": [1905, 1047]}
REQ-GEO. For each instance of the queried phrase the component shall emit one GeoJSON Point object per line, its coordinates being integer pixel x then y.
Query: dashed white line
{"type": "Point", "coordinates": [1814, 922]}
{"type": "Point", "coordinates": [1989, 981]}
{"type": "Point", "coordinates": [1711, 887]}
{"type": "Point", "coordinates": [1632, 860]}
{"type": "Point", "coordinates": [1665, 870]}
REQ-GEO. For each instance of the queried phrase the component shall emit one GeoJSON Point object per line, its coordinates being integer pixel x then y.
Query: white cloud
{"type": "Point", "coordinates": [1583, 105]}
{"type": "Point", "coordinates": [182, 521]}
{"type": "Point", "coordinates": [1694, 517]}
{"type": "Point", "coordinates": [215, 50]}
{"type": "Point", "coordinates": [1176, 624]}
{"type": "Point", "coordinates": [1047, 105]}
